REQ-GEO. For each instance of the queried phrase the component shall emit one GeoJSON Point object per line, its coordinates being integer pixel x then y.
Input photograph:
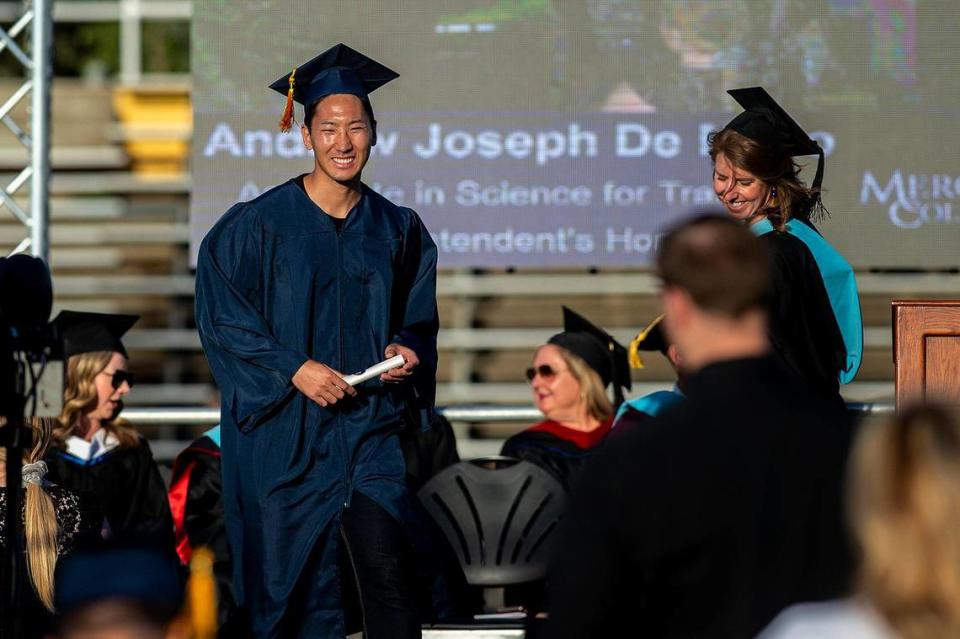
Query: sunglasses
{"type": "Point", "coordinates": [545, 371]}
{"type": "Point", "coordinates": [119, 377]}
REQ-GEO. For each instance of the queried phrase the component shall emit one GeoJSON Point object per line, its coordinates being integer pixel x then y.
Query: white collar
{"type": "Point", "coordinates": [101, 443]}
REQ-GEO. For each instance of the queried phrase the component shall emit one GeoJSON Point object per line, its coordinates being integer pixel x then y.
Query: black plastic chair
{"type": "Point", "coordinates": [500, 516]}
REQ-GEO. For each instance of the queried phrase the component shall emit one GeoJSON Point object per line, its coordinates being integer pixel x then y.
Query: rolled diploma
{"type": "Point", "coordinates": [375, 370]}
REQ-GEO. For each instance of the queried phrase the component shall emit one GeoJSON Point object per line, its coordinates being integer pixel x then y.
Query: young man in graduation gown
{"type": "Point", "coordinates": [316, 278]}
{"type": "Point", "coordinates": [726, 508]}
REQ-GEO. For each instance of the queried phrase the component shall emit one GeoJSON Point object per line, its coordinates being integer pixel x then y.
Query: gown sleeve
{"type": "Point", "coordinates": [803, 329]}
{"type": "Point", "coordinates": [203, 514]}
{"type": "Point", "coordinates": [418, 317]}
{"type": "Point", "coordinates": [147, 515]}
{"type": "Point", "coordinates": [236, 337]}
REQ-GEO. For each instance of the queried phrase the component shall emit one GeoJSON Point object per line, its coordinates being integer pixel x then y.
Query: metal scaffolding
{"type": "Point", "coordinates": [37, 62]}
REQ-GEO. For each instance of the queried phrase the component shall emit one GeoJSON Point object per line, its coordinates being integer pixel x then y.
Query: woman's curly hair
{"type": "Point", "coordinates": [80, 398]}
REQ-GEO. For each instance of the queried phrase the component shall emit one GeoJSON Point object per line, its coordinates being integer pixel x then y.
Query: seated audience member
{"type": "Point", "coordinates": [652, 338]}
{"type": "Point", "coordinates": [196, 501]}
{"type": "Point", "coordinates": [53, 519]}
{"type": "Point", "coordinates": [904, 505]}
{"type": "Point", "coordinates": [726, 508]}
{"type": "Point", "coordinates": [120, 593]}
{"type": "Point", "coordinates": [94, 452]}
{"type": "Point", "coordinates": [569, 377]}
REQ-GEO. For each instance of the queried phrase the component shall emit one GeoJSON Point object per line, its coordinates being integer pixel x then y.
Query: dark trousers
{"type": "Point", "coordinates": [377, 575]}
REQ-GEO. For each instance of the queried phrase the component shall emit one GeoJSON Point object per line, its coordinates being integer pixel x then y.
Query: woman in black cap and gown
{"type": "Point", "coordinates": [94, 452]}
{"type": "Point", "coordinates": [569, 377]}
{"type": "Point", "coordinates": [815, 323]}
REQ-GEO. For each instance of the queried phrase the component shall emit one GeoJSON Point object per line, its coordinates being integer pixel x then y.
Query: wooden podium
{"type": "Point", "coordinates": [926, 350]}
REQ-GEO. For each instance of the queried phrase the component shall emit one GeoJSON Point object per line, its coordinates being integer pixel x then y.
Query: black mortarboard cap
{"type": "Point", "coordinates": [339, 69]}
{"type": "Point", "coordinates": [87, 332]}
{"type": "Point", "coordinates": [597, 348]}
{"type": "Point", "coordinates": [766, 122]}
{"type": "Point", "coordinates": [142, 574]}
{"type": "Point", "coordinates": [651, 338]}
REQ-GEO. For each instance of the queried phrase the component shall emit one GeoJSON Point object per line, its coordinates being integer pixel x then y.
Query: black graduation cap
{"type": "Point", "coordinates": [597, 348]}
{"type": "Point", "coordinates": [87, 332]}
{"type": "Point", "coordinates": [141, 574]}
{"type": "Point", "coordinates": [766, 122]}
{"type": "Point", "coordinates": [652, 338]}
{"type": "Point", "coordinates": [339, 69]}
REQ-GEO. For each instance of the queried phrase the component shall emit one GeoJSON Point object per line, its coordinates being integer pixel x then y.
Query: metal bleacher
{"type": "Point", "coordinates": [119, 244]}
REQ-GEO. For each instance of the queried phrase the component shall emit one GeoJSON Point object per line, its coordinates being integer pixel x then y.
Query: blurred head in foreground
{"type": "Point", "coordinates": [119, 593]}
{"type": "Point", "coordinates": [715, 277]}
{"type": "Point", "coordinates": [905, 509]}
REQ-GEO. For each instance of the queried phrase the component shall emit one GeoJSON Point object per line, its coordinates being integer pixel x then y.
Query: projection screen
{"type": "Point", "coordinates": [536, 133]}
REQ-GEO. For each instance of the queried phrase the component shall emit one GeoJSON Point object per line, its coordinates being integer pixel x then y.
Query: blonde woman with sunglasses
{"type": "Point", "coordinates": [569, 379]}
{"type": "Point", "coordinates": [96, 452]}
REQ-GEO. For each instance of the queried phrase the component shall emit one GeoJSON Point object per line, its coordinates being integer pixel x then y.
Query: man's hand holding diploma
{"type": "Point", "coordinates": [411, 361]}
{"type": "Point", "coordinates": [321, 383]}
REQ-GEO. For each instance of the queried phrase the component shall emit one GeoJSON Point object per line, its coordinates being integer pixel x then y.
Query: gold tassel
{"type": "Point", "coordinates": [634, 351]}
{"type": "Point", "coordinates": [198, 620]}
{"type": "Point", "coordinates": [286, 120]}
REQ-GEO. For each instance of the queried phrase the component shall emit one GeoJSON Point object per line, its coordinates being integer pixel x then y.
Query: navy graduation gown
{"type": "Point", "coordinates": [277, 284]}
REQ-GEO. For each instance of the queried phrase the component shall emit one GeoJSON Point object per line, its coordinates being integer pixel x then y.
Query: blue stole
{"type": "Point", "coordinates": [841, 288]}
{"type": "Point", "coordinates": [652, 404]}
{"type": "Point", "coordinates": [214, 434]}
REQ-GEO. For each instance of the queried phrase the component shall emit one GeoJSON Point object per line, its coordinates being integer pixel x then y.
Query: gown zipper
{"type": "Point", "coordinates": [347, 458]}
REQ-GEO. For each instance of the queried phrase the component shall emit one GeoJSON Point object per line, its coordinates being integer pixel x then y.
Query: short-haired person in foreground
{"type": "Point", "coordinates": [726, 508]}
{"type": "Point", "coordinates": [904, 505]}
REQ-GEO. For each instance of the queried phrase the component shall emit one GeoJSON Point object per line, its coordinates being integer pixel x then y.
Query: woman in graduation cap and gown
{"type": "Point", "coordinates": [815, 324]}
{"type": "Point", "coordinates": [569, 377]}
{"type": "Point", "coordinates": [96, 454]}
{"type": "Point", "coordinates": [284, 285]}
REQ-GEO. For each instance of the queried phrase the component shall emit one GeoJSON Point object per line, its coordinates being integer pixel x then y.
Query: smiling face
{"type": "Point", "coordinates": [109, 398]}
{"type": "Point", "coordinates": [742, 193]}
{"type": "Point", "coordinates": [340, 137]}
{"type": "Point", "coordinates": [557, 393]}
